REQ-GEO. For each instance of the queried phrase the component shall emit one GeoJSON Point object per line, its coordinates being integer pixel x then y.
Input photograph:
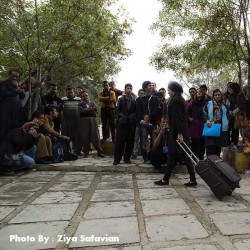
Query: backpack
{"type": "Point", "coordinates": [58, 152]}
{"type": "Point", "coordinates": [68, 155]}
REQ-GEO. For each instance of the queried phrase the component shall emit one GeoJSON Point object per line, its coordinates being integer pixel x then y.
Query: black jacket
{"type": "Point", "coordinates": [147, 105]}
{"type": "Point", "coordinates": [126, 115]}
{"type": "Point", "coordinates": [178, 122]}
{"type": "Point", "coordinates": [16, 141]}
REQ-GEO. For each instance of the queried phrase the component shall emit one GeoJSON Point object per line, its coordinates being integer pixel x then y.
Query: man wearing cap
{"type": "Point", "coordinates": [178, 125]}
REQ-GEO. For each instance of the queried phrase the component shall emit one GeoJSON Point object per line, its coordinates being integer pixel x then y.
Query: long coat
{"type": "Point", "coordinates": [178, 122]}
{"type": "Point", "coordinates": [10, 108]}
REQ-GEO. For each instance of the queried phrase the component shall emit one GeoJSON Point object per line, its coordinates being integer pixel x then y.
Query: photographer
{"type": "Point", "coordinates": [108, 100]}
{"type": "Point", "coordinates": [158, 153]}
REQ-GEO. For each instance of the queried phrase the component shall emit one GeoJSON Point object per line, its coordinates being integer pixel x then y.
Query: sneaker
{"type": "Point", "coordinates": [191, 184]}
{"type": "Point", "coordinates": [116, 162]}
{"type": "Point", "coordinates": [234, 147]}
{"type": "Point", "coordinates": [161, 183]}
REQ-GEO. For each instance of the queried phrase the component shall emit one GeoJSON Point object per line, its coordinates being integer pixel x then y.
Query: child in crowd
{"type": "Point", "coordinates": [246, 149]}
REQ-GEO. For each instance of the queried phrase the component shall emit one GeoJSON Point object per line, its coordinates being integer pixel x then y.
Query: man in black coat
{"type": "Point", "coordinates": [125, 126]}
{"type": "Point", "coordinates": [11, 94]}
{"type": "Point", "coordinates": [146, 110]}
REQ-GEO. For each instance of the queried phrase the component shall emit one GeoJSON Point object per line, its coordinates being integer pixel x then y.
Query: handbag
{"type": "Point", "coordinates": [12, 160]}
{"type": "Point", "coordinates": [214, 130]}
{"type": "Point", "coordinates": [240, 121]}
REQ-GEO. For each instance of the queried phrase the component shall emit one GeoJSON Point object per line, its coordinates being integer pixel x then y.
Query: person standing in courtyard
{"type": "Point", "coordinates": [178, 125]}
{"type": "Point", "coordinates": [125, 126]}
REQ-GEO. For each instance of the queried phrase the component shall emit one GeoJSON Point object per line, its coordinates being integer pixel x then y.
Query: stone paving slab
{"type": "Point", "coordinates": [37, 213]}
{"type": "Point", "coordinates": [150, 184]}
{"type": "Point", "coordinates": [4, 211]}
{"type": "Point", "coordinates": [232, 223]}
{"type": "Point", "coordinates": [211, 204]}
{"type": "Point", "coordinates": [246, 197]}
{"type": "Point", "coordinates": [61, 197]}
{"type": "Point", "coordinates": [113, 195]}
{"type": "Point", "coordinates": [14, 198]}
{"type": "Point", "coordinates": [74, 177]}
{"type": "Point", "coordinates": [115, 185]}
{"type": "Point", "coordinates": [110, 210]}
{"type": "Point", "coordinates": [244, 189]}
{"type": "Point", "coordinates": [111, 227]}
{"type": "Point", "coordinates": [158, 193]}
{"type": "Point", "coordinates": [192, 247]}
{"type": "Point", "coordinates": [163, 207]}
{"type": "Point", "coordinates": [164, 228]}
{"type": "Point", "coordinates": [41, 176]}
{"type": "Point", "coordinates": [201, 191]}
{"type": "Point", "coordinates": [45, 229]}
{"type": "Point", "coordinates": [21, 187]}
{"type": "Point", "coordinates": [65, 186]}
{"type": "Point", "coordinates": [116, 177]}
{"type": "Point", "coordinates": [151, 177]}
{"type": "Point", "coordinates": [125, 248]}
{"type": "Point", "coordinates": [81, 173]}
{"type": "Point", "coordinates": [242, 244]}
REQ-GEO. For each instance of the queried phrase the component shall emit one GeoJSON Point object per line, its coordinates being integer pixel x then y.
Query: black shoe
{"type": "Point", "coordinates": [43, 161]}
{"type": "Point", "coordinates": [191, 184]}
{"type": "Point", "coordinates": [100, 154]}
{"type": "Point", "coordinates": [127, 162]}
{"type": "Point", "coordinates": [116, 162]}
{"type": "Point", "coordinates": [86, 155]}
{"type": "Point", "coordinates": [161, 183]}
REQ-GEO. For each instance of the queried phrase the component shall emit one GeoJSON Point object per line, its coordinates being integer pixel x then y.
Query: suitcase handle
{"type": "Point", "coordinates": [188, 152]}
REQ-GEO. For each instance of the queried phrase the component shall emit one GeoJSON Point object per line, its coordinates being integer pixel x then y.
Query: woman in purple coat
{"type": "Point", "coordinates": [196, 124]}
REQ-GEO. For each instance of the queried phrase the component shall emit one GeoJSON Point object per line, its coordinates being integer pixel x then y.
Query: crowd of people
{"type": "Point", "coordinates": [149, 124]}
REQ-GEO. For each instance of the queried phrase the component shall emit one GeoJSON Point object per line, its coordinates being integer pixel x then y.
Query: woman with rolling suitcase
{"type": "Point", "coordinates": [178, 125]}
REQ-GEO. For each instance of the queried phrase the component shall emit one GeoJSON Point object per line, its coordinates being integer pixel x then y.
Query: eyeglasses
{"type": "Point", "coordinates": [217, 95]}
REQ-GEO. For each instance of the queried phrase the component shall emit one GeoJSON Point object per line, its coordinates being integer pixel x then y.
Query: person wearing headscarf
{"type": "Point", "coordinates": [178, 125]}
{"type": "Point", "coordinates": [215, 111]}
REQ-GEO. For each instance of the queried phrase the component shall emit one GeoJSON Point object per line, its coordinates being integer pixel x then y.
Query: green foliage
{"type": "Point", "coordinates": [67, 39]}
{"type": "Point", "coordinates": [217, 40]}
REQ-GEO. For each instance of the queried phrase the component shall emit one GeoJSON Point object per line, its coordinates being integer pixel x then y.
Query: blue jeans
{"type": "Point", "coordinates": [28, 158]}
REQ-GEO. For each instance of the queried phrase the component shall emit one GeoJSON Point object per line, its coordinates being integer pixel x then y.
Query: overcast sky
{"type": "Point", "coordinates": [142, 42]}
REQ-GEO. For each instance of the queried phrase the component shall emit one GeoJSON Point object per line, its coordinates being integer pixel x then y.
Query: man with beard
{"type": "Point", "coordinates": [11, 94]}
{"type": "Point", "coordinates": [53, 100]}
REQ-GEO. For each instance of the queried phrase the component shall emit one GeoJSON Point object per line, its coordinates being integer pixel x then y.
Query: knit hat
{"type": "Point", "coordinates": [175, 87]}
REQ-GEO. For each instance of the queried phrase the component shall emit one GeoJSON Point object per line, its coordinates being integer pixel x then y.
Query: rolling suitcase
{"type": "Point", "coordinates": [218, 174]}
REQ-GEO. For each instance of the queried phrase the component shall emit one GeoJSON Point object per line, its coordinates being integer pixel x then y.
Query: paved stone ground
{"type": "Point", "coordinates": [63, 209]}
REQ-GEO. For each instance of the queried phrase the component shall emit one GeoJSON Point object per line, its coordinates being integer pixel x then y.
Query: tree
{"type": "Point", "coordinates": [65, 40]}
{"type": "Point", "coordinates": [218, 38]}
